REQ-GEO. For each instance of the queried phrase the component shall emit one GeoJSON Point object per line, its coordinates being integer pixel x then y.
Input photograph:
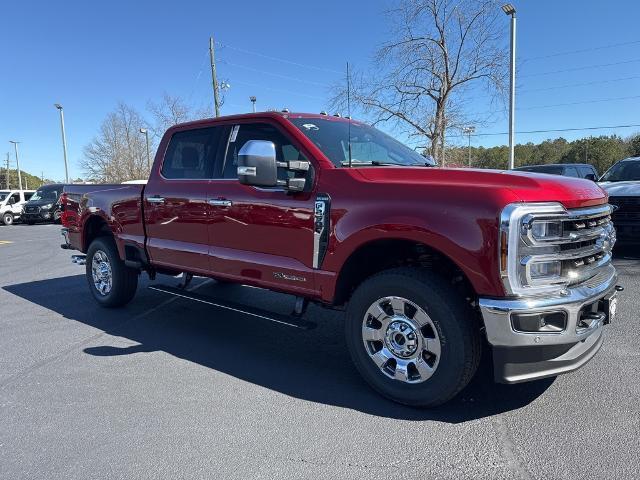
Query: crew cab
{"type": "Point", "coordinates": [11, 203]}
{"type": "Point", "coordinates": [430, 265]}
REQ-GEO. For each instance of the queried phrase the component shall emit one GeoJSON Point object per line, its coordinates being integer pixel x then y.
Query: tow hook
{"type": "Point", "coordinates": [79, 259]}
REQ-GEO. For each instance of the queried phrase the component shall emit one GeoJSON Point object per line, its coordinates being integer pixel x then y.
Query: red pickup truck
{"type": "Point", "coordinates": [430, 265]}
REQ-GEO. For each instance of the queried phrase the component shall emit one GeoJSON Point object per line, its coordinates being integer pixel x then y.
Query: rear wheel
{"type": "Point", "coordinates": [7, 218]}
{"type": "Point", "coordinates": [111, 282]}
{"type": "Point", "coordinates": [411, 337]}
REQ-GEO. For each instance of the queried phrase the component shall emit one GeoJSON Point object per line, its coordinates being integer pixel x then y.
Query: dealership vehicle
{"type": "Point", "coordinates": [11, 203]}
{"type": "Point", "coordinates": [429, 264]}
{"type": "Point", "coordinates": [622, 183]}
{"type": "Point", "coordinates": [44, 205]}
{"type": "Point", "coordinates": [578, 170]}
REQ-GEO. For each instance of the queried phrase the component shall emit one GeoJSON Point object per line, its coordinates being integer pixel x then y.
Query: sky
{"type": "Point", "coordinates": [578, 64]}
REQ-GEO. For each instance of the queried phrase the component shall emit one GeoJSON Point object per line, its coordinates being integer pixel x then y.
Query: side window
{"type": "Point", "coordinates": [285, 150]}
{"type": "Point", "coordinates": [16, 198]}
{"type": "Point", "coordinates": [191, 154]}
{"type": "Point", "coordinates": [585, 172]}
{"type": "Point", "coordinates": [571, 172]}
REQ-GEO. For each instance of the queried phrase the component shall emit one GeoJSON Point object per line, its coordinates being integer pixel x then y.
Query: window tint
{"type": "Point", "coordinates": [191, 154]}
{"type": "Point", "coordinates": [585, 171]}
{"type": "Point", "coordinates": [28, 195]}
{"type": "Point", "coordinates": [571, 172]}
{"type": "Point", "coordinates": [285, 150]}
{"type": "Point", "coordinates": [16, 198]}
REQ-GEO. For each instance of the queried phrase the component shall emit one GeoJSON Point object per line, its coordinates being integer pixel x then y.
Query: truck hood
{"type": "Point", "coordinates": [622, 189]}
{"type": "Point", "coordinates": [525, 186]}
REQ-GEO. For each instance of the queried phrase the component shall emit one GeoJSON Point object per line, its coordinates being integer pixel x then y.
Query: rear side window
{"type": "Point", "coordinates": [572, 172]}
{"type": "Point", "coordinates": [191, 154]}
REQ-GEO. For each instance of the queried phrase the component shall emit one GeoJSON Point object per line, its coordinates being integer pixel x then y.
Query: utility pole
{"type": "Point", "coordinates": [214, 77]}
{"type": "Point", "coordinates": [15, 146]}
{"type": "Point", "coordinates": [145, 132]}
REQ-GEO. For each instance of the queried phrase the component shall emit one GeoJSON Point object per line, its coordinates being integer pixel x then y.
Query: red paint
{"type": "Point", "coordinates": [454, 211]}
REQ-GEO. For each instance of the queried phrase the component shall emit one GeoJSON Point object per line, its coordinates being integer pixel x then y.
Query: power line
{"type": "Point", "coordinates": [289, 92]}
{"type": "Point", "coordinates": [555, 130]}
{"type": "Point", "coordinates": [584, 50]}
{"type": "Point", "coordinates": [283, 60]}
{"type": "Point", "coordinates": [613, 99]}
{"type": "Point", "coordinates": [570, 85]}
{"type": "Point", "coordinates": [580, 68]}
{"type": "Point", "coordinates": [275, 74]}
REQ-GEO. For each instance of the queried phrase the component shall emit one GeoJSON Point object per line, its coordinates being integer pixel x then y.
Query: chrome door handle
{"type": "Point", "coordinates": [155, 199]}
{"type": "Point", "coordinates": [220, 202]}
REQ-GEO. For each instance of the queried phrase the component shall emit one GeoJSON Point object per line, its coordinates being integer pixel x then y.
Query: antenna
{"type": "Point", "coordinates": [349, 109]}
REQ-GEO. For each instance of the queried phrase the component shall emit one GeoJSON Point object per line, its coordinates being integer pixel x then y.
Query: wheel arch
{"type": "Point", "coordinates": [375, 256]}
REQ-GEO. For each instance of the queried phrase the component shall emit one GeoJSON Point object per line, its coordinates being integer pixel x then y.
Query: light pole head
{"type": "Point", "coordinates": [509, 9]}
{"type": "Point", "coordinates": [253, 98]}
{"type": "Point", "coordinates": [143, 130]}
{"type": "Point", "coordinates": [14, 142]}
{"type": "Point", "coordinates": [58, 106]}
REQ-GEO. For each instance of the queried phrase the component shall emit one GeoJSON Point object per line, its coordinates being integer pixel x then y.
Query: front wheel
{"type": "Point", "coordinates": [411, 337]}
{"type": "Point", "coordinates": [7, 218]}
{"type": "Point", "coordinates": [111, 282]}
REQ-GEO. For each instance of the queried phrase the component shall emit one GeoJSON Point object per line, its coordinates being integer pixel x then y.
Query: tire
{"type": "Point", "coordinates": [7, 218]}
{"type": "Point", "coordinates": [419, 343]}
{"type": "Point", "coordinates": [115, 284]}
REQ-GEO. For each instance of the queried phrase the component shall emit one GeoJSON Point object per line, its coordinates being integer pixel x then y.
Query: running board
{"type": "Point", "coordinates": [288, 320]}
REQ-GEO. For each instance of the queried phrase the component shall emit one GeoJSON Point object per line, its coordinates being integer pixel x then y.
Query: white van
{"type": "Point", "coordinates": [11, 202]}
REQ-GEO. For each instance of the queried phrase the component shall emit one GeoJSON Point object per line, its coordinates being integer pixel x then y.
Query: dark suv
{"type": "Point", "coordinates": [578, 170]}
{"type": "Point", "coordinates": [44, 205]}
{"type": "Point", "coordinates": [622, 183]}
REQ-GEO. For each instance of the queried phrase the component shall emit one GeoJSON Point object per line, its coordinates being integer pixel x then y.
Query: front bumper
{"type": "Point", "coordinates": [41, 216]}
{"type": "Point", "coordinates": [523, 356]}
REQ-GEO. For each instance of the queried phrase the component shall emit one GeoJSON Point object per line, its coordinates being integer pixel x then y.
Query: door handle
{"type": "Point", "coordinates": [155, 199]}
{"type": "Point", "coordinates": [220, 202]}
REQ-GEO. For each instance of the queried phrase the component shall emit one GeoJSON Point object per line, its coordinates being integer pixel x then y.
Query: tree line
{"type": "Point", "coordinates": [601, 152]}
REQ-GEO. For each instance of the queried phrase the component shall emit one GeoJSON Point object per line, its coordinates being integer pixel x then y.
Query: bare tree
{"type": "Point", "coordinates": [171, 110]}
{"type": "Point", "coordinates": [118, 152]}
{"type": "Point", "coordinates": [438, 50]}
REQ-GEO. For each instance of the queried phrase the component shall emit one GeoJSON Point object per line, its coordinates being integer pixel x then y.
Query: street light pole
{"type": "Point", "coordinates": [15, 146]}
{"type": "Point", "coordinates": [146, 134]}
{"type": "Point", "coordinates": [469, 131]}
{"type": "Point", "coordinates": [64, 141]}
{"type": "Point", "coordinates": [253, 102]}
{"type": "Point", "coordinates": [511, 11]}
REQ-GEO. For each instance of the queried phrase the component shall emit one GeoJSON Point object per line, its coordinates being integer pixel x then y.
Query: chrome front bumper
{"type": "Point", "coordinates": [520, 356]}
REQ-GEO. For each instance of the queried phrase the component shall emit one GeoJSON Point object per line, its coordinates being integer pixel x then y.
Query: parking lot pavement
{"type": "Point", "coordinates": [165, 388]}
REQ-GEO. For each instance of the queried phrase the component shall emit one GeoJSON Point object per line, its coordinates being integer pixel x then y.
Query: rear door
{"type": "Point", "coordinates": [263, 236]}
{"type": "Point", "coordinates": [175, 201]}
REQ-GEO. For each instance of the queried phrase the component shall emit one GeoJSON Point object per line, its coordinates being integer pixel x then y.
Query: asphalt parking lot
{"type": "Point", "coordinates": [166, 388]}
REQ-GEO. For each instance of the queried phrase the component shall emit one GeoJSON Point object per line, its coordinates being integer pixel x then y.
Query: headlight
{"type": "Point", "coordinates": [545, 248]}
{"type": "Point", "coordinates": [47, 206]}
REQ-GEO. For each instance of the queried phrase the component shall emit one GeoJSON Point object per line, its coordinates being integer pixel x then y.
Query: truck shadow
{"type": "Point", "coordinates": [311, 365]}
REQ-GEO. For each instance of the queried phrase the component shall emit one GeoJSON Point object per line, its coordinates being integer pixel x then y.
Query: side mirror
{"type": "Point", "coordinates": [257, 165]}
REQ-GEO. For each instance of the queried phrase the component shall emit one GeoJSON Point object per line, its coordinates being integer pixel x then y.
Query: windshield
{"type": "Point", "coordinates": [369, 146]}
{"type": "Point", "coordinates": [3, 196]}
{"type": "Point", "coordinates": [623, 171]}
{"type": "Point", "coordinates": [45, 194]}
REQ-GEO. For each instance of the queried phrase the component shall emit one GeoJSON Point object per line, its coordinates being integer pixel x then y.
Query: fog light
{"type": "Point", "coordinates": [549, 322]}
{"type": "Point", "coordinates": [545, 269]}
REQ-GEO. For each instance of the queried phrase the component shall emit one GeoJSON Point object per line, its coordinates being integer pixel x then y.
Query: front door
{"type": "Point", "coordinates": [262, 236]}
{"type": "Point", "coordinates": [176, 208]}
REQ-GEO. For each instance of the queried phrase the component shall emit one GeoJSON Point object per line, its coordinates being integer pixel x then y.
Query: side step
{"type": "Point", "coordinates": [288, 320]}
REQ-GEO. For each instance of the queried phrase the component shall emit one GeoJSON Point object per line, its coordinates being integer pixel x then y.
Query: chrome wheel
{"type": "Point", "coordinates": [101, 272]}
{"type": "Point", "coordinates": [401, 339]}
